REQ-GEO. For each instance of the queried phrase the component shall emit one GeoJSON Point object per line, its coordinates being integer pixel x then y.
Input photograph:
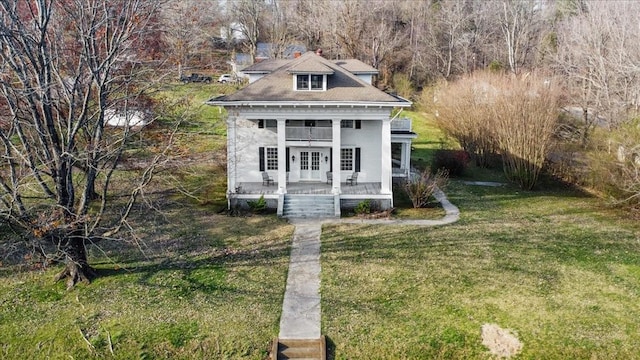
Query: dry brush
{"type": "Point", "coordinates": [513, 116]}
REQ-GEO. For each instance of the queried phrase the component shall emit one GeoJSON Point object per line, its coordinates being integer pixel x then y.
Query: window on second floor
{"type": "Point", "coordinates": [310, 82]}
{"type": "Point", "coordinates": [351, 124]}
{"type": "Point", "coordinates": [262, 124]}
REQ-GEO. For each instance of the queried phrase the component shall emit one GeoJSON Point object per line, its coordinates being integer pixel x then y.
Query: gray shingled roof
{"type": "Point", "coordinates": [309, 67]}
{"type": "Point", "coordinates": [356, 66]}
{"type": "Point", "coordinates": [342, 85]}
{"type": "Point", "coordinates": [266, 66]}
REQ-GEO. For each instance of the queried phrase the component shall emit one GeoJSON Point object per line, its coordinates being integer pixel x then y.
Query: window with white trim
{"type": "Point", "coordinates": [310, 82]}
{"type": "Point", "coordinates": [351, 124]}
{"type": "Point", "coordinates": [267, 123]}
{"type": "Point", "coordinates": [346, 159]}
{"type": "Point", "coordinates": [302, 82]}
{"type": "Point", "coordinates": [272, 158]}
{"type": "Point", "coordinates": [316, 82]}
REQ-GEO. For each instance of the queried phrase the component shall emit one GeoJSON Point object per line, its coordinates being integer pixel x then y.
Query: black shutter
{"type": "Point", "coordinates": [357, 160]}
{"type": "Point", "coordinates": [288, 165]}
{"type": "Point", "coordinates": [261, 157]}
{"type": "Point", "coordinates": [261, 124]}
{"type": "Point", "coordinates": [358, 124]}
{"type": "Point", "coordinates": [331, 159]}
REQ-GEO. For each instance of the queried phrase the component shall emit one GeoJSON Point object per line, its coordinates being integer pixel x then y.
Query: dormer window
{"type": "Point", "coordinates": [310, 82]}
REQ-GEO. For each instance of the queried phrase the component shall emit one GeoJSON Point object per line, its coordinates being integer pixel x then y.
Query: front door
{"type": "Point", "coordinates": [310, 165]}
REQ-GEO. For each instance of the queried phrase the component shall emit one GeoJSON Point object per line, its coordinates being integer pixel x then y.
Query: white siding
{"type": "Point", "coordinates": [368, 139]}
{"type": "Point", "coordinates": [248, 142]}
{"type": "Point", "coordinates": [366, 78]}
{"type": "Point", "coordinates": [249, 138]}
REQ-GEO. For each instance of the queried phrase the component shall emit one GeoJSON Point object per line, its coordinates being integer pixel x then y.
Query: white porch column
{"type": "Point", "coordinates": [232, 161]}
{"type": "Point", "coordinates": [406, 154]}
{"type": "Point", "coordinates": [282, 156]}
{"type": "Point", "coordinates": [385, 139]}
{"type": "Point", "coordinates": [335, 158]}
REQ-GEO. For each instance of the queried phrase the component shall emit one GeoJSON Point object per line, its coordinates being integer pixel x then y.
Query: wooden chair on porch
{"type": "Point", "coordinates": [329, 177]}
{"type": "Point", "coordinates": [353, 179]}
{"type": "Point", "coordinates": [266, 179]}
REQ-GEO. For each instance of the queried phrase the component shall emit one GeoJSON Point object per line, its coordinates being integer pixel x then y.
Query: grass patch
{"type": "Point", "coordinates": [203, 286]}
{"type": "Point", "coordinates": [430, 138]}
{"type": "Point", "coordinates": [553, 266]}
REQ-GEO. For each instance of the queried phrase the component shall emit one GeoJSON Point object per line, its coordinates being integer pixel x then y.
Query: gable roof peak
{"type": "Point", "coordinates": [310, 63]}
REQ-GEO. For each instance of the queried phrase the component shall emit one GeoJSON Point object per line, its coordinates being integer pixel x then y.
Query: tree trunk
{"type": "Point", "coordinates": [77, 267]}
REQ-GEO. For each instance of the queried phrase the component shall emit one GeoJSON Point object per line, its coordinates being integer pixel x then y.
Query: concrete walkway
{"type": "Point", "coordinates": [301, 306]}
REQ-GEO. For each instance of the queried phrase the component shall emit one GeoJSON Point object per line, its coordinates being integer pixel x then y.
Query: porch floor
{"type": "Point", "coordinates": [310, 188]}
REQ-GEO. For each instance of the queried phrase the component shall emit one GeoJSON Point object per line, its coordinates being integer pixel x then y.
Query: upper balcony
{"type": "Point", "coordinates": [303, 133]}
{"type": "Point", "coordinates": [401, 124]}
{"type": "Point", "coordinates": [325, 133]}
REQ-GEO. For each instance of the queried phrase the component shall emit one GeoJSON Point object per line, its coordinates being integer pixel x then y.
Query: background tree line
{"type": "Point", "coordinates": [593, 45]}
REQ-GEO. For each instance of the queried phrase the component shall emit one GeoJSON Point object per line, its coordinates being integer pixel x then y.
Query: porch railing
{"type": "Point", "coordinates": [402, 124]}
{"type": "Point", "coordinates": [301, 133]}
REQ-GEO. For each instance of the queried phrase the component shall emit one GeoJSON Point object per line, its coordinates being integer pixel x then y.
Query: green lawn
{"type": "Point", "coordinates": [555, 268]}
{"type": "Point", "coordinates": [195, 286]}
{"type": "Point", "coordinates": [429, 139]}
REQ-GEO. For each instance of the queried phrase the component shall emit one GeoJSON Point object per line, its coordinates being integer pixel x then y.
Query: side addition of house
{"type": "Point", "coordinates": [314, 136]}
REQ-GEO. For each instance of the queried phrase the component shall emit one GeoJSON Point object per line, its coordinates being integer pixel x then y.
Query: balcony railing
{"type": "Point", "coordinates": [402, 124]}
{"type": "Point", "coordinates": [301, 133]}
{"type": "Point", "coordinates": [305, 133]}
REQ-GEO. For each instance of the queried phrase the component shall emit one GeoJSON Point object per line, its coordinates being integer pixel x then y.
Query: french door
{"type": "Point", "coordinates": [310, 165]}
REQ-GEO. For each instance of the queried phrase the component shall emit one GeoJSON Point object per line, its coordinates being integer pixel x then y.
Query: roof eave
{"type": "Point", "coordinates": [310, 104]}
{"type": "Point", "coordinates": [304, 72]}
{"type": "Point", "coordinates": [403, 134]}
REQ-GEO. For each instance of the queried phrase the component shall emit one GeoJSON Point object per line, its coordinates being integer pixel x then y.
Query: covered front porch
{"type": "Point", "coordinates": [369, 188]}
{"type": "Point", "coordinates": [308, 199]}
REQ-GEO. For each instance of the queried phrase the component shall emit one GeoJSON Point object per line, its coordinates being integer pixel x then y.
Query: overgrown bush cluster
{"type": "Point", "coordinates": [454, 162]}
{"type": "Point", "coordinates": [614, 163]}
{"type": "Point", "coordinates": [514, 116]}
{"type": "Point", "coordinates": [421, 187]}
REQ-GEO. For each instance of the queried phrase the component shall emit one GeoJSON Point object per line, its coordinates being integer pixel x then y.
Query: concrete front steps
{"type": "Point", "coordinates": [299, 349]}
{"type": "Point", "coordinates": [309, 206]}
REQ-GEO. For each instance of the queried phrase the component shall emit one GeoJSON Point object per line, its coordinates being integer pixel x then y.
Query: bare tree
{"type": "Point", "coordinates": [310, 23]}
{"type": "Point", "coordinates": [189, 26]}
{"type": "Point", "coordinates": [280, 33]}
{"type": "Point", "coordinates": [417, 19]}
{"type": "Point", "coordinates": [598, 52]}
{"type": "Point", "coordinates": [350, 27]}
{"type": "Point", "coordinates": [521, 25]}
{"type": "Point", "coordinates": [453, 21]}
{"type": "Point", "coordinates": [67, 66]}
{"type": "Point", "coordinates": [249, 15]}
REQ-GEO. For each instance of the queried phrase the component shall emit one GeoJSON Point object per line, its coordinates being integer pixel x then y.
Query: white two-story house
{"type": "Point", "coordinates": [316, 129]}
